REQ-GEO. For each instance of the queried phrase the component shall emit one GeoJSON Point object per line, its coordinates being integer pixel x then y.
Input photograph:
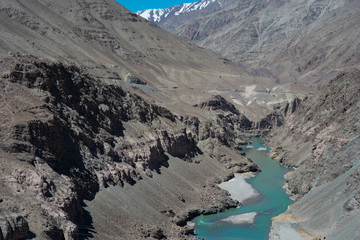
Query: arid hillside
{"type": "Point", "coordinates": [67, 138]}
{"type": "Point", "coordinates": [111, 42]}
{"type": "Point", "coordinates": [321, 140]}
{"type": "Point", "coordinates": [118, 47]}
{"type": "Point", "coordinates": [290, 41]}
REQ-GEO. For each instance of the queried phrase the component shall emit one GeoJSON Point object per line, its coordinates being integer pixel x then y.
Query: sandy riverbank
{"type": "Point", "coordinates": [243, 218]}
{"type": "Point", "coordinates": [239, 188]}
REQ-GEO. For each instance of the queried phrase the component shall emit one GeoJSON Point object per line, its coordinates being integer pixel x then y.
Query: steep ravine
{"type": "Point", "coordinates": [321, 140]}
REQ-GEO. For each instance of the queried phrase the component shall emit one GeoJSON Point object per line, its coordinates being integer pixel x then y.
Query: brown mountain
{"type": "Point", "coordinates": [305, 41]}
{"type": "Point", "coordinates": [116, 46]}
{"type": "Point", "coordinates": [103, 35]}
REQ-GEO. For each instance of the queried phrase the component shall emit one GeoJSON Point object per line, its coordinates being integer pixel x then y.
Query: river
{"type": "Point", "coordinates": [271, 202]}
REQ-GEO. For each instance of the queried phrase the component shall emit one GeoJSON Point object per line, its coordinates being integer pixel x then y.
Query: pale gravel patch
{"type": "Point", "coordinates": [243, 218]}
{"type": "Point", "coordinates": [238, 188]}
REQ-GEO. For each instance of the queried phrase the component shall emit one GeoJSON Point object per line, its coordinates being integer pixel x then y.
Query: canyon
{"type": "Point", "coordinates": [113, 128]}
{"type": "Point", "coordinates": [105, 117]}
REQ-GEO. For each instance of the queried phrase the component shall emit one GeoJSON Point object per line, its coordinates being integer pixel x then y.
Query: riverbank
{"type": "Point", "coordinates": [282, 228]}
{"type": "Point", "coordinates": [181, 192]}
{"type": "Point", "coordinates": [238, 188]}
{"type": "Point", "coordinates": [253, 220]}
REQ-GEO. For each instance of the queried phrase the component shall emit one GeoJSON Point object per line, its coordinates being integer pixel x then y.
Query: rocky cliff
{"type": "Point", "coordinates": [320, 139]}
{"type": "Point", "coordinates": [65, 136]}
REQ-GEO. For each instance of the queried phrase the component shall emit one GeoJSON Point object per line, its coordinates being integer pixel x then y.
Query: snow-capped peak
{"type": "Point", "coordinates": [158, 15]}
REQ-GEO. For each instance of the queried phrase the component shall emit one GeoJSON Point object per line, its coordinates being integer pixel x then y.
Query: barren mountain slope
{"type": "Point", "coordinates": [113, 128]}
{"type": "Point", "coordinates": [321, 139]}
{"type": "Point", "coordinates": [118, 47]}
{"type": "Point", "coordinates": [307, 41]}
{"type": "Point", "coordinates": [107, 38]}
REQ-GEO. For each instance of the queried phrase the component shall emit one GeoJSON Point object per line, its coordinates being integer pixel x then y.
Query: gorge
{"type": "Point", "coordinates": [113, 128]}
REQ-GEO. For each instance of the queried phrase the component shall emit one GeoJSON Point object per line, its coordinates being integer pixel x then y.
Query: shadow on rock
{"type": "Point", "coordinates": [86, 229]}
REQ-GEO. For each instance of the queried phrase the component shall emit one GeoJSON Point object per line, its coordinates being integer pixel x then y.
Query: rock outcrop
{"type": "Point", "coordinates": [272, 120]}
{"type": "Point", "coordinates": [217, 102]}
{"type": "Point", "coordinates": [89, 150]}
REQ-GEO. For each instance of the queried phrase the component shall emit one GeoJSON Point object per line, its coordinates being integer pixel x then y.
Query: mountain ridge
{"type": "Point", "coordinates": [304, 42]}
{"type": "Point", "coordinates": [286, 40]}
{"type": "Point", "coordinates": [158, 15]}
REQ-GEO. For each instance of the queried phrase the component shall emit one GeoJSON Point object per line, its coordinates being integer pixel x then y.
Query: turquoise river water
{"type": "Point", "coordinates": [271, 202]}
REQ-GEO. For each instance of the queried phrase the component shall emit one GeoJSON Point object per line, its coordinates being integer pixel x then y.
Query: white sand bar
{"type": "Point", "coordinates": [241, 218]}
{"type": "Point", "coordinates": [238, 188]}
{"type": "Point", "coordinates": [261, 149]}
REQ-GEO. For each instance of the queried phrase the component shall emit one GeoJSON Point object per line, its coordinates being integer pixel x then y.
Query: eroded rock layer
{"type": "Point", "coordinates": [66, 137]}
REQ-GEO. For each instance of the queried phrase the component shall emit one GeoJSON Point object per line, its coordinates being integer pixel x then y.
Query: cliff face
{"type": "Point", "coordinates": [321, 140]}
{"type": "Point", "coordinates": [13, 225]}
{"type": "Point", "coordinates": [66, 136]}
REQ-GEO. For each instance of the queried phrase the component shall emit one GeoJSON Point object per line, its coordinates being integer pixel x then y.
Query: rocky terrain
{"type": "Point", "coordinates": [66, 138]}
{"type": "Point", "coordinates": [86, 128]}
{"type": "Point", "coordinates": [300, 41]}
{"type": "Point", "coordinates": [113, 128]}
{"type": "Point", "coordinates": [118, 47]}
{"type": "Point", "coordinates": [321, 140]}
{"type": "Point", "coordinates": [99, 134]}
{"type": "Point", "coordinates": [307, 43]}
{"type": "Point", "coordinates": [84, 158]}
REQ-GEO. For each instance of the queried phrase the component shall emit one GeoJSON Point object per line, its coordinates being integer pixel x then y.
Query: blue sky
{"type": "Point", "coordinates": [136, 5]}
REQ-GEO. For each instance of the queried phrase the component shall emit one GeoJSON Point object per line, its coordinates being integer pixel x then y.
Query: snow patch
{"type": "Point", "coordinates": [157, 15]}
